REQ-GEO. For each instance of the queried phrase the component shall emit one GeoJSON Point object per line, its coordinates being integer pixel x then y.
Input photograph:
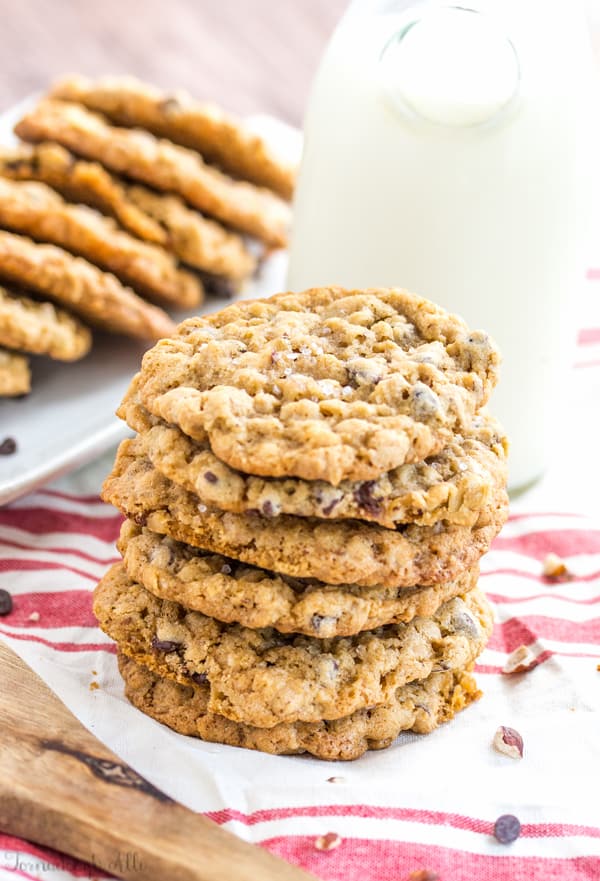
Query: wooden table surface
{"type": "Point", "coordinates": [249, 55]}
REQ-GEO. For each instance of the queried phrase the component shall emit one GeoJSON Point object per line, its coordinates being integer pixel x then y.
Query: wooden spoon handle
{"type": "Point", "coordinates": [61, 787]}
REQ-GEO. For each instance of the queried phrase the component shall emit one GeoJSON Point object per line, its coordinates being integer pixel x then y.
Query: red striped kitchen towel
{"type": "Point", "coordinates": [424, 804]}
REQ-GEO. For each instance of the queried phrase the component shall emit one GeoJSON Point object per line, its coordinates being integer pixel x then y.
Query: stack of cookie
{"type": "Point", "coordinates": [126, 194]}
{"type": "Point", "coordinates": [311, 487]}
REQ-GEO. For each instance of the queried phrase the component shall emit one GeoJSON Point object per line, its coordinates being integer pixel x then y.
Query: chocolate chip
{"type": "Point", "coordinates": [199, 678]}
{"type": "Point", "coordinates": [507, 828]}
{"type": "Point", "coordinates": [8, 446]}
{"type": "Point", "coordinates": [140, 519]}
{"type": "Point", "coordinates": [210, 477]}
{"type": "Point", "coordinates": [218, 286]}
{"type": "Point", "coordinates": [267, 508]}
{"type": "Point", "coordinates": [5, 602]}
{"type": "Point", "coordinates": [329, 508]}
{"type": "Point", "coordinates": [17, 164]}
{"type": "Point", "coordinates": [363, 496]}
{"type": "Point", "coordinates": [165, 645]}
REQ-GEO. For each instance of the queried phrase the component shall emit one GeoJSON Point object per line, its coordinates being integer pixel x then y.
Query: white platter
{"type": "Point", "coordinates": [68, 418]}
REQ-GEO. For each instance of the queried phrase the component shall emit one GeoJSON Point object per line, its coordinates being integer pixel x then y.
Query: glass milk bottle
{"type": "Point", "coordinates": [448, 151]}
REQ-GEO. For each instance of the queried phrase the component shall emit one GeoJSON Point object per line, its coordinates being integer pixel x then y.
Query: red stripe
{"type": "Point", "coordinates": [589, 335]}
{"type": "Point", "coordinates": [563, 542]}
{"type": "Point", "coordinates": [37, 566]}
{"type": "Point", "coordinates": [52, 549]}
{"type": "Point", "coordinates": [49, 857]}
{"type": "Point", "coordinates": [41, 520]}
{"type": "Point", "coordinates": [510, 634]}
{"type": "Point", "coordinates": [363, 860]}
{"type": "Point", "coordinates": [412, 815]}
{"type": "Point", "coordinates": [73, 497]}
{"type": "Point", "coordinates": [62, 646]}
{"type": "Point", "coordinates": [25, 546]}
{"type": "Point", "coordinates": [72, 608]}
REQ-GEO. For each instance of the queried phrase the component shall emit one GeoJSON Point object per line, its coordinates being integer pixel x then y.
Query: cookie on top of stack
{"type": "Point", "coordinates": [312, 484]}
{"type": "Point", "coordinates": [124, 194]}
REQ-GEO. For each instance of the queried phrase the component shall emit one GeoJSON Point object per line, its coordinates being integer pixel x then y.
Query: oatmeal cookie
{"type": "Point", "coordinates": [35, 210]}
{"type": "Point", "coordinates": [80, 181]}
{"type": "Point", "coordinates": [336, 552]}
{"type": "Point", "coordinates": [98, 297]}
{"type": "Point", "coordinates": [263, 677]}
{"type": "Point", "coordinates": [420, 706]}
{"type": "Point", "coordinates": [220, 138]}
{"type": "Point", "coordinates": [234, 592]}
{"type": "Point", "coordinates": [41, 328]}
{"type": "Point", "coordinates": [15, 375]}
{"type": "Point", "coordinates": [195, 239]}
{"type": "Point", "coordinates": [327, 385]}
{"type": "Point", "coordinates": [159, 218]}
{"type": "Point", "coordinates": [454, 485]}
{"type": "Point", "coordinates": [165, 166]}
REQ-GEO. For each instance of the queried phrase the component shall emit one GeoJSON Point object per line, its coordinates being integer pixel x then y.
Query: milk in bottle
{"type": "Point", "coordinates": [448, 151]}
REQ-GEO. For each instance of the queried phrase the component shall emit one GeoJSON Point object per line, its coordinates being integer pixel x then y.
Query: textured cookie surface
{"type": "Point", "coordinates": [217, 135]}
{"type": "Point", "coordinates": [195, 239]}
{"type": "Point", "coordinates": [328, 384]}
{"type": "Point", "coordinates": [234, 592]}
{"type": "Point", "coordinates": [15, 375]}
{"type": "Point", "coordinates": [41, 328]}
{"type": "Point", "coordinates": [262, 677]}
{"type": "Point", "coordinates": [454, 485]}
{"type": "Point", "coordinates": [33, 209]}
{"type": "Point", "coordinates": [336, 552]}
{"type": "Point", "coordinates": [165, 166]}
{"type": "Point", "coordinates": [154, 217]}
{"type": "Point", "coordinates": [419, 706]}
{"type": "Point", "coordinates": [96, 296]}
{"type": "Point", "coordinates": [79, 180]}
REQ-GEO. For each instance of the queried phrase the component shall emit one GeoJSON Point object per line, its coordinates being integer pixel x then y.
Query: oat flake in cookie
{"type": "Point", "coordinates": [328, 384]}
